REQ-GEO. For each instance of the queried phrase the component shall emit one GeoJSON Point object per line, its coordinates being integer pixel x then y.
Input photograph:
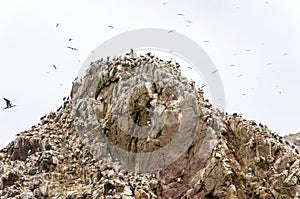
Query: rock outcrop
{"type": "Point", "coordinates": [217, 155]}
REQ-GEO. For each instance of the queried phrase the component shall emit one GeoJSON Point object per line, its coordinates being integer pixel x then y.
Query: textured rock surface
{"type": "Point", "coordinates": [229, 156]}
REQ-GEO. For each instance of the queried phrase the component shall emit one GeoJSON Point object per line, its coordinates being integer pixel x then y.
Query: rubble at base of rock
{"type": "Point", "coordinates": [247, 160]}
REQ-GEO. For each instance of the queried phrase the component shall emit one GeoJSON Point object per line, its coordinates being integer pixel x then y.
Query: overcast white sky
{"type": "Point", "coordinates": [30, 44]}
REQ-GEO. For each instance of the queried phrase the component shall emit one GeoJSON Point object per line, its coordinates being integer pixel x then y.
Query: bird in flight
{"type": "Point", "coordinates": [72, 48]}
{"type": "Point", "coordinates": [8, 104]}
{"type": "Point", "coordinates": [110, 26]}
{"type": "Point", "coordinates": [164, 3]}
{"type": "Point", "coordinates": [70, 39]}
{"type": "Point", "coordinates": [54, 67]}
{"type": "Point", "coordinates": [214, 72]}
{"type": "Point", "coordinates": [188, 21]}
{"type": "Point", "coordinates": [57, 25]}
{"type": "Point", "coordinates": [171, 31]}
{"type": "Point", "coordinates": [180, 14]}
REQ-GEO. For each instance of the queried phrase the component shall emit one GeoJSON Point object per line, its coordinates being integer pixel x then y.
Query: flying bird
{"type": "Point", "coordinates": [110, 26]}
{"type": "Point", "coordinates": [206, 41]}
{"type": "Point", "coordinates": [70, 39]}
{"type": "Point", "coordinates": [171, 31]}
{"type": "Point", "coordinates": [240, 75]}
{"type": "Point", "coordinates": [214, 72]}
{"type": "Point", "coordinates": [72, 48]}
{"type": "Point", "coordinates": [54, 67]}
{"type": "Point", "coordinates": [188, 21]}
{"type": "Point", "coordinates": [247, 50]}
{"type": "Point", "coordinates": [180, 14]}
{"type": "Point", "coordinates": [284, 54]}
{"type": "Point", "coordinates": [164, 3]}
{"type": "Point", "coordinates": [8, 104]}
{"type": "Point", "coordinates": [57, 25]}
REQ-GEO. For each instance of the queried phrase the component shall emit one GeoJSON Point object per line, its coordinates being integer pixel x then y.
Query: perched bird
{"type": "Point", "coordinates": [72, 48]}
{"type": "Point", "coordinates": [8, 103]}
{"type": "Point", "coordinates": [110, 26]}
{"type": "Point", "coordinates": [54, 67]}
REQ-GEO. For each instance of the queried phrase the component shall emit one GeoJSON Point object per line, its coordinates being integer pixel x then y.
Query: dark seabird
{"type": "Point", "coordinates": [8, 104]}
{"type": "Point", "coordinates": [54, 67]}
{"type": "Point", "coordinates": [72, 48]}
{"type": "Point", "coordinates": [57, 25]}
{"type": "Point", "coordinates": [110, 26]}
{"type": "Point", "coordinates": [180, 14]}
{"type": "Point", "coordinates": [214, 72]}
{"type": "Point", "coordinates": [70, 39]}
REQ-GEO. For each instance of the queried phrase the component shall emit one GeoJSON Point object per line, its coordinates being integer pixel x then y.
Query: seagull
{"type": "Point", "coordinates": [57, 25]}
{"type": "Point", "coordinates": [171, 31]}
{"type": "Point", "coordinates": [72, 48]}
{"type": "Point", "coordinates": [110, 26]}
{"type": "Point", "coordinates": [54, 67]}
{"type": "Point", "coordinates": [8, 104]}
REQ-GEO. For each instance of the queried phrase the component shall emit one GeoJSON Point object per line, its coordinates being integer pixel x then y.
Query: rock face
{"type": "Point", "coordinates": [67, 156]}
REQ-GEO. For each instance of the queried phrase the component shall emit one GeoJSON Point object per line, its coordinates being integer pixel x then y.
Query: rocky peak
{"type": "Point", "coordinates": [135, 128]}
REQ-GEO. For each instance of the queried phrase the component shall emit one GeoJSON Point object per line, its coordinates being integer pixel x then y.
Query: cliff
{"type": "Point", "coordinates": [172, 143]}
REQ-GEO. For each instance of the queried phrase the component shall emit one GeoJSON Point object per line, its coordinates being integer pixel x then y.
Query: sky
{"type": "Point", "coordinates": [254, 45]}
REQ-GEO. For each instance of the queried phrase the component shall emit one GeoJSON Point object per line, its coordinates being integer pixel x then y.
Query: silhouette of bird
{"type": "Point", "coordinates": [72, 48]}
{"type": "Point", "coordinates": [164, 3]}
{"type": "Point", "coordinates": [180, 14]}
{"type": "Point", "coordinates": [171, 31]}
{"type": "Point", "coordinates": [8, 103]}
{"type": "Point", "coordinates": [214, 72]}
{"type": "Point", "coordinates": [57, 25]}
{"type": "Point", "coordinates": [54, 67]}
{"type": "Point", "coordinates": [70, 39]}
{"type": "Point", "coordinates": [110, 26]}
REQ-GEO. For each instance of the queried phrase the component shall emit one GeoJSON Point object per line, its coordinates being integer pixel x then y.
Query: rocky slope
{"type": "Point", "coordinates": [65, 155]}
